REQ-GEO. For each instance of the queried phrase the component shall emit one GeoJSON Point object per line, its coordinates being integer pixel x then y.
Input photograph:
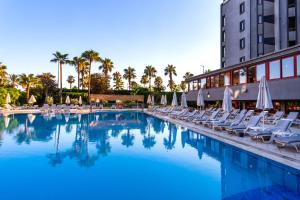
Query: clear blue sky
{"type": "Point", "coordinates": [134, 33]}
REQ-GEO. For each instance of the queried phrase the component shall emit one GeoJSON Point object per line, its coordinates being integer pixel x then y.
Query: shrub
{"type": "Point", "coordinates": [49, 100]}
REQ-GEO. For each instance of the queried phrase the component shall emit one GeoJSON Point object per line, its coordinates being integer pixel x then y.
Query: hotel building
{"type": "Point", "coordinates": [258, 38]}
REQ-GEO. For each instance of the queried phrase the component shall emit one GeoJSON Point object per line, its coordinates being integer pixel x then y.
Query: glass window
{"type": "Point", "coordinates": [243, 76]}
{"type": "Point", "coordinates": [274, 69]}
{"type": "Point", "coordinates": [242, 8]}
{"type": "Point", "coordinates": [288, 67]}
{"type": "Point", "coordinates": [236, 77]}
{"type": "Point", "coordinates": [251, 74]}
{"type": "Point", "coordinates": [260, 71]}
{"type": "Point", "coordinates": [298, 65]}
{"type": "Point", "coordinates": [208, 82]}
{"type": "Point", "coordinates": [195, 85]}
{"type": "Point", "coordinates": [217, 79]}
{"type": "Point", "coordinates": [227, 78]}
{"type": "Point", "coordinates": [221, 81]}
{"type": "Point", "coordinates": [242, 26]}
{"type": "Point", "coordinates": [203, 83]}
{"type": "Point", "coordinates": [212, 82]}
{"type": "Point", "coordinates": [242, 43]}
{"type": "Point", "coordinates": [260, 19]}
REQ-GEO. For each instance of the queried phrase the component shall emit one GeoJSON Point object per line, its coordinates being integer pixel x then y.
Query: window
{"type": "Point", "coordinates": [252, 74]}
{"type": "Point", "coordinates": [221, 81]}
{"type": "Point", "coordinates": [217, 79]}
{"type": "Point", "coordinates": [242, 8]}
{"type": "Point", "coordinates": [223, 21]}
{"type": "Point", "coordinates": [223, 51]}
{"type": "Point", "coordinates": [242, 26]}
{"type": "Point", "coordinates": [236, 77]}
{"type": "Point", "coordinates": [274, 69]}
{"type": "Point", "coordinates": [208, 82]}
{"type": "Point", "coordinates": [291, 3]}
{"type": "Point", "coordinates": [243, 75]}
{"type": "Point", "coordinates": [227, 78]}
{"type": "Point", "coordinates": [260, 39]}
{"type": "Point", "coordinates": [298, 65]}
{"type": "Point", "coordinates": [223, 64]}
{"type": "Point", "coordinates": [242, 43]}
{"type": "Point", "coordinates": [242, 59]}
{"type": "Point", "coordinates": [260, 19]}
{"type": "Point", "coordinates": [288, 67]}
{"type": "Point", "coordinates": [212, 82]}
{"type": "Point", "coordinates": [223, 36]}
{"type": "Point", "coordinates": [260, 71]}
{"type": "Point", "coordinates": [203, 83]}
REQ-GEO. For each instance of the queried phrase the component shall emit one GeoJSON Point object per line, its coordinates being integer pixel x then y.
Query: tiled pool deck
{"type": "Point", "coordinates": [286, 156]}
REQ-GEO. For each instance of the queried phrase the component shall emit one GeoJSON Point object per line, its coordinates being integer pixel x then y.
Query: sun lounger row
{"type": "Point", "coordinates": [260, 126]}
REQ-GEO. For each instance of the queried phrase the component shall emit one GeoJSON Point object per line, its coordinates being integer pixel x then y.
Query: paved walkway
{"type": "Point", "coordinates": [286, 156]}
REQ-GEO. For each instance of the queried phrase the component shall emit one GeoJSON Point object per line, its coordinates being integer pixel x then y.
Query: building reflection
{"type": "Point", "coordinates": [256, 177]}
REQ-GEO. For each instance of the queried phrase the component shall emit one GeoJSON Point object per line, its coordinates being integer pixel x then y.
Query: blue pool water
{"type": "Point", "coordinates": [129, 155]}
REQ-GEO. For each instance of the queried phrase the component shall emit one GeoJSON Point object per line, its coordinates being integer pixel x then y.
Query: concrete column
{"type": "Point", "coordinates": [277, 30]}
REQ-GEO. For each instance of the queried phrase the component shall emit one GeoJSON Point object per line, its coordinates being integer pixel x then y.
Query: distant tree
{"type": "Point", "coordinates": [150, 72]}
{"type": "Point", "coordinates": [61, 59]}
{"type": "Point", "coordinates": [99, 83]}
{"type": "Point", "coordinates": [91, 56]}
{"type": "Point", "coordinates": [183, 86]}
{"type": "Point", "coordinates": [3, 74]}
{"type": "Point", "coordinates": [118, 82]}
{"type": "Point", "coordinates": [130, 75]}
{"type": "Point", "coordinates": [71, 80]}
{"type": "Point", "coordinates": [107, 66]}
{"type": "Point", "coordinates": [27, 82]}
{"type": "Point", "coordinates": [170, 70]}
{"type": "Point", "coordinates": [13, 80]}
{"type": "Point", "coordinates": [158, 84]}
{"type": "Point", "coordinates": [47, 81]}
{"type": "Point", "coordinates": [81, 67]}
{"type": "Point", "coordinates": [144, 80]}
{"type": "Point", "coordinates": [188, 75]}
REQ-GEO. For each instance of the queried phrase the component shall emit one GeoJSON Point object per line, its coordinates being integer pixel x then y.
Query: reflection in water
{"type": "Point", "coordinates": [90, 139]}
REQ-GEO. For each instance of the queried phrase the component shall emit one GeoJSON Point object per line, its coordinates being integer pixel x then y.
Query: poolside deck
{"type": "Point", "coordinates": [287, 157]}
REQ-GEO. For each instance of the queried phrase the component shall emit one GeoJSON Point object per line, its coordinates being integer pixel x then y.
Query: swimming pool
{"type": "Point", "coordinates": [129, 155]}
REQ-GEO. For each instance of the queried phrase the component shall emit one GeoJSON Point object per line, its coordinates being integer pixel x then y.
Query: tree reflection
{"type": "Point", "coordinates": [127, 139]}
{"type": "Point", "coordinates": [170, 141]}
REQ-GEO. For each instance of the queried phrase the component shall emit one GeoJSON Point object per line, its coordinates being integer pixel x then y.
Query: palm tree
{"type": "Point", "coordinates": [183, 83]}
{"type": "Point", "coordinates": [188, 75]}
{"type": "Point", "coordinates": [91, 56]}
{"type": "Point", "coordinates": [158, 83]}
{"type": "Point", "coordinates": [129, 74]}
{"type": "Point", "coordinates": [13, 79]}
{"type": "Point", "coordinates": [150, 72]}
{"type": "Point", "coordinates": [3, 74]}
{"type": "Point", "coordinates": [170, 70]}
{"type": "Point", "coordinates": [61, 59]}
{"type": "Point", "coordinates": [144, 80]}
{"type": "Point", "coordinates": [71, 80]}
{"type": "Point", "coordinates": [27, 82]}
{"type": "Point", "coordinates": [47, 81]}
{"type": "Point", "coordinates": [118, 82]}
{"type": "Point", "coordinates": [107, 66]}
{"type": "Point", "coordinates": [80, 65]}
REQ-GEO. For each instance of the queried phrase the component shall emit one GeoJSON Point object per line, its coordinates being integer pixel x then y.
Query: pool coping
{"type": "Point", "coordinates": [282, 156]}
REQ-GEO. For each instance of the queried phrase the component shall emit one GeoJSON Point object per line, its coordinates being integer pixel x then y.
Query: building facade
{"type": "Point", "coordinates": [253, 28]}
{"type": "Point", "coordinates": [281, 69]}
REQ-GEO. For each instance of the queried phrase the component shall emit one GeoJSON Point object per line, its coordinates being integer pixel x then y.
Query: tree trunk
{"type": "Point", "coordinates": [129, 83]}
{"type": "Point", "coordinates": [78, 78]}
{"type": "Point", "coordinates": [150, 83]}
{"type": "Point", "coordinates": [60, 75]}
{"type": "Point", "coordinates": [27, 93]}
{"type": "Point", "coordinates": [70, 86]}
{"type": "Point", "coordinates": [89, 93]}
